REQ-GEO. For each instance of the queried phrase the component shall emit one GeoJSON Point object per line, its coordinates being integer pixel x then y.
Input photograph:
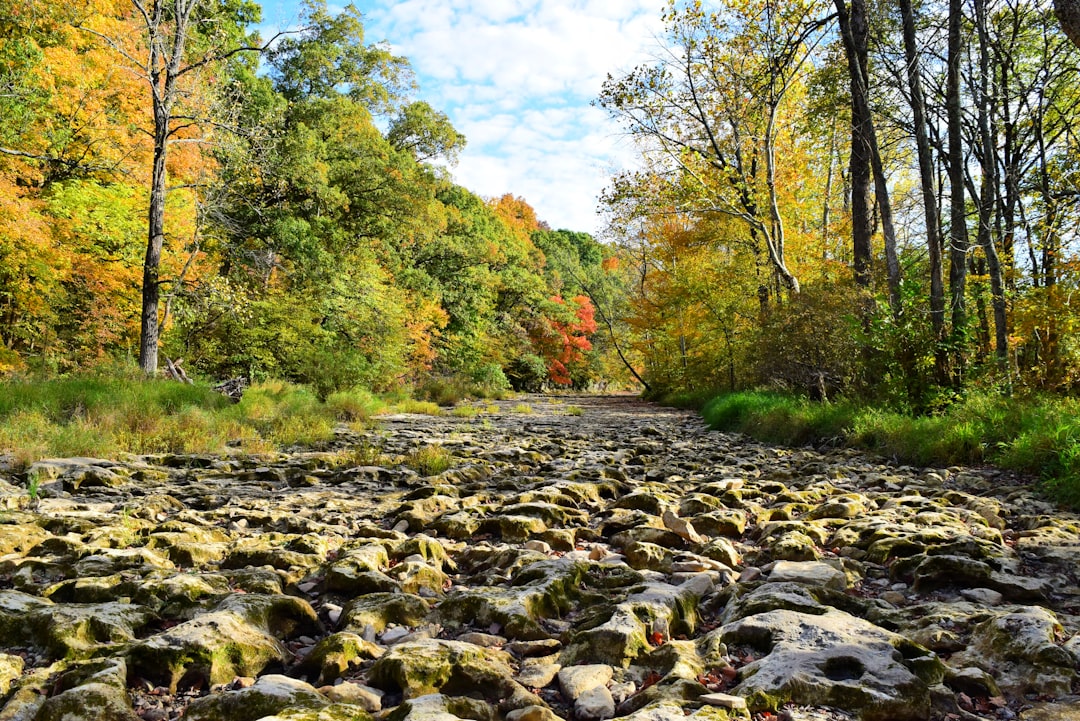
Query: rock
{"type": "Point", "coordinates": [1019, 650]}
{"type": "Point", "coordinates": [537, 673]}
{"type": "Point", "coordinates": [625, 635]}
{"type": "Point", "coordinates": [270, 695]}
{"type": "Point", "coordinates": [595, 704]}
{"type": "Point", "coordinates": [811, 573]}
{"type": "Point", "coordinates": [11, 668]}
{"type": "Point", "coordinates": [210, 649]}
{"type": "Point", "coordinates": [532, 713]}
{"type": "Point", "coordinates": [723, 700]}
{"type": "Point", "coordinates": [335, 655]}
{"type": "Point", "coordinates": [89, 702]}
{"type": "Point", "coordinates": [1067, 711]}
{"type": "Point", "coordinates": [380, 609]}
{"type": "Point", "coordinates": [833, 659]}
{"type": "Point", "coordinates": [354, 694]}
{"type": "Point", "coordinates": [435, 666]}
{"type": "Point", "coordinates": [437, 707]}
{"type": "Point", "coordinates": [576, 680]}
{"type": "Point", "coordinates": [984, 596]}
{"type": "Point", "coordinates": [683, 528]}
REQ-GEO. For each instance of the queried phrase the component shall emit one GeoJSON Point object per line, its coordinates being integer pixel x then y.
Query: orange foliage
{"type": "Point", "coordinates": [567, 337]}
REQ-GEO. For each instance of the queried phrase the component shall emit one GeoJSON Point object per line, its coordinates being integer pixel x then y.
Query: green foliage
{"type": "Point", "coordinates": [527, 373]}
{"type": "Point", "coordinates": [1036, 435]}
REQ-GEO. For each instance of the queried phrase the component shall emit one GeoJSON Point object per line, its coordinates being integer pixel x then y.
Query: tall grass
{"type": "Point", "coordinates": [1038, 435]}
{"type": "Point", "coordinates": [108, 416]}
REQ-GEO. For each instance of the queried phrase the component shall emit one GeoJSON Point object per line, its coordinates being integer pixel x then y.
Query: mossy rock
{"type": "Point", "coordinates": [181, 596]}
{"type": "Point", "coordinates": [269, 695]}
{"type": "Point", "coordinates": [283, 616]}
{"type": "Point", "coordinates": [333, 712]}
{"type": "Point", "coordinates": [730, 523]}
{"type": "Point", "coordinates": [832, 659]}
{"type": "Point", "coordinates": [19, 533]}
{"type": "Point", "coordinates": [90, 702]}
{"type": "Point", "coordinates": [425, 546]}
{"type": "Point", "coordinates": [335, 655]}
{"type": "Point", "coordinates": [1019, 648]}
{"type": "Point", "coordinates": [454, 668]}
{"type": "Point", "coordinates": [543, 589]}
{"type": "Point", "coordinates": [437, 707]}
{"type": "Point", "coordinates": [419, 578]}
{"type": "Point", "coordinates": [380, 609]}
{"type": "Point", "coordinates": [92, 589]}
{"type": "Point", "coordinates": [641, 555]}
{"type": "Point", "coordinates": [11, 668]}
{"type": "Point", "coordinates": [210, 649]}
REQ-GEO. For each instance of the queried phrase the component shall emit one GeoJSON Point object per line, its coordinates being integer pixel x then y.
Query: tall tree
{"type": "Point", "coordinates": [958, 235]}
{"type": "Point", "coordinates": [179, 39]}
{"type": "Point", "coordinates": [866, 154]}
{"type": "Point", "coordinates": [931, 213]}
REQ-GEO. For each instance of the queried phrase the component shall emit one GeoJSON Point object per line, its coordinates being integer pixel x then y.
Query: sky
{"type": "Point", "coordinates": [517, 78]}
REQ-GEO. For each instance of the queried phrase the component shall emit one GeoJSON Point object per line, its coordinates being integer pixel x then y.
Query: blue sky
{"type": "Point", "coordinates": [517, 78]}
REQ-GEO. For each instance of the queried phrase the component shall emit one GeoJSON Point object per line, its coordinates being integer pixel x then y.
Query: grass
{"type": "Point", "coordinates": [574, 411]}
{"type": "Point", "coordinates": [1037, 435]}
{"type": "Point", "coordinates": [429, 460]}
{"type": "Point", "coordinates": [410, 405]}
{"type": "Point", "coordinates": [466, 411]}
{"type": "Point", "coordinates": [522, 408]}
{"type": "Point", "coordinates": [105, 417]}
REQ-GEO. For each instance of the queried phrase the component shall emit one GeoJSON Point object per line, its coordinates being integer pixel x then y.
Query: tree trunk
{"type": "Point", "coordinates": [1068, 14]}
{"type": "Point", "coordinates": [988, 193]}
{"type": "Point", "coordinates": [931, 212]}
{"type": "Point", "coordinates": [855, 33]}
{"type": "Point", "coordinates": [958, 239]}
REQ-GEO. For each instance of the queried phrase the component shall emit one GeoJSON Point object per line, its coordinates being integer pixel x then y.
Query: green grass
{"type": "Point", "coordinates": [1039, 435]}
{"type": "Point", "coordinates": [105, 417]}
{"type": "Point", "coordinates": [429, 460]}
{"type": "Point", "coordinates": [522, 408]}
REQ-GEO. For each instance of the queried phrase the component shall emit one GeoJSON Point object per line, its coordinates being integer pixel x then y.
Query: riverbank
{"type": "Point", "coordinates": [1035, 436]}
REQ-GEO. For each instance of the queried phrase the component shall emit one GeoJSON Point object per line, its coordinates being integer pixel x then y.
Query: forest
{"type": "Point", "coordinates": [851, 201]}
{"type": "Point", "coordinates": [174, 185]}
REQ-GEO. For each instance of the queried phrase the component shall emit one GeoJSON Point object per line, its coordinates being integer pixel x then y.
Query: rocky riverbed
{"type": "Point", "coordinates": [584, 558]}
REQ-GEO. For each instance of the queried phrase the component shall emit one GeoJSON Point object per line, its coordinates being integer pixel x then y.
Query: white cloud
{"type": "Point", "coordinates": [517, 77]}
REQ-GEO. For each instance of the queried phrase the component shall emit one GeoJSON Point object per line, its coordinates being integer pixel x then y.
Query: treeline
{"type": "Point", "coordinates": [170, 181]}
{"type": "Point", "coordinates": [878, 199]}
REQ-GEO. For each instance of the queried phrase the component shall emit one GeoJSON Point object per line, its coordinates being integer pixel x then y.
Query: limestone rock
{"type": "Point", "coordinates": [833, 659]}
{"type": "Point", "coordinates": [268, 696]}
{"type": "Point", "coordinates": [1020, 651]}
{"type": "Point", "coordinates": [431, 666]}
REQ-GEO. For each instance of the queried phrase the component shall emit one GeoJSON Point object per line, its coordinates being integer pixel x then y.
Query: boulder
{"type": "Point", "coordinates": [832, 659]}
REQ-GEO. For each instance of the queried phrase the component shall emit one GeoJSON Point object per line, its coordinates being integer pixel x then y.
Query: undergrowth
{"type": "Point", "coordinates": [1037, 435]}
{"type": "Point", "coordinates": [104, 417]}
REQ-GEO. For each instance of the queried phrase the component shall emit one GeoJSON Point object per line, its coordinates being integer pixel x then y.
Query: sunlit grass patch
{"type": "Point", "coordinates": [574, 411]}
{"type": "Point", "coordinates": [465, 411]}
{"type": "Point", "coordinates": [429, 460]}
{"type": "Point", "coordinates": [410, 405]}
{"type": "Point", "coordinates": [522, 408]}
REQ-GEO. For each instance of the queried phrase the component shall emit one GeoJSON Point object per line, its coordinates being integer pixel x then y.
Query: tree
{"type": "Point", "coordinates": [1068, 14]}
{"type": "Point", "coordinates": [179, 40]}
{"type": "Point", "coordinates": [709, 109]}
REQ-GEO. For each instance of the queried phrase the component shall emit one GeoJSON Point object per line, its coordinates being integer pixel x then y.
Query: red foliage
{"type": "Point", "coordinates": [571, 338]}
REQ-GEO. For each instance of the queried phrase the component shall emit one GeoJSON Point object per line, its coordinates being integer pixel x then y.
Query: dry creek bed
{"type": "Point", "coordinates": [596, 558]}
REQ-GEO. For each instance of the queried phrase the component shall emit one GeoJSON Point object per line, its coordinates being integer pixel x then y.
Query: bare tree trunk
{"type": "Point", "coordinates": [163, 70]}
{"type": "Point", "coordinates": [1068, 14]}
{"type": "Point", "coordinates": [931, 212]}
{"type": "Point", "coordinates": [958, 239]}
{"type": "Point", "coordinates": [854, 30]}
{"type": "Point", "coordinates": [989, 191]}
